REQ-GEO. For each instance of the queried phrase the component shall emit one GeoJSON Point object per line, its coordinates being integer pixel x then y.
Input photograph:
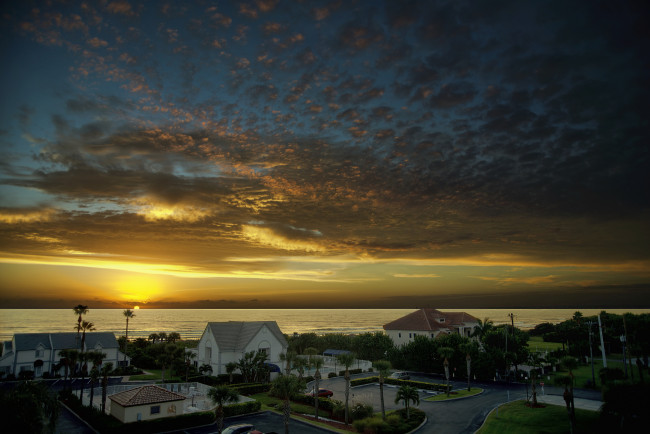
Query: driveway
{"type": "Point", "coordinates": [266, 422]}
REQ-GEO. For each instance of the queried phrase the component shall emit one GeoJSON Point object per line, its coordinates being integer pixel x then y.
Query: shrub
{"type": "Point", "coordinates": [323, 403]}
{"type": "Point", "coordinates": [361, 411]}
{"type": "Point", "coordinates": [242, 408]}
{"type": "Point", "coordinates": [370, 425]}
{"type": "Point", "coordinates": [331, 375]}
{"type": "Point", "coordinates": [252, 389]}
{"type": "Point", "coordinates": [352, 371]}
{"type": "Point", "coordinates": [362, 381]}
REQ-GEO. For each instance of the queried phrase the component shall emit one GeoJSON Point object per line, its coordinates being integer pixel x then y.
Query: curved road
{"type": "Point", "coordinates": [456, 416]}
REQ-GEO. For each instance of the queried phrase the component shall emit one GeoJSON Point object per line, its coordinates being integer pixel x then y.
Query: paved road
{"type": "Point", "coordinates": [266, 422]}
{"type": "Point", "coordinates": [456, 416]}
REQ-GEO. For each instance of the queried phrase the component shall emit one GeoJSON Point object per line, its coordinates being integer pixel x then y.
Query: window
{"type": "Point", "coordinates": [208, 354]}
{"type": "Point", "coordinates": [409, 335]}
{"type": "Point", "coordinates": [155, 409]}
{"type": "Point", "coordinates": [399, 334]}
{"type": "Point", "coordinates": [38, 353]}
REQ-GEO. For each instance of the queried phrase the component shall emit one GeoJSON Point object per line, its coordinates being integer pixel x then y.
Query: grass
{"type": "Point", "coordinates": [536, 343]}
{"type": "Point", "coordinates": [516, 418]}
{"type": "Point", "coordinates": [455, 394]}
{"type": "Point", "coordinates": [154, 375]}
{"type": "Point", "coordinates": [583, 373]}
{"type": "Point", "coordinates": [273, 403]}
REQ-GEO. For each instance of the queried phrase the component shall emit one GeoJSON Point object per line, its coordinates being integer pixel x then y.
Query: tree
{"type": "Point", "coordinates": [467, 349]}
{"type": "Point", "coordinates": [86, 326]}
{"type": "Point", "coordinates": [220, 396]}
{"type": "Point", "coordinates": [288, 359]}
{"type": "Point", "coordinates": [173, 337]}
{"type": "Point", "coordinates": [383, 367]}
{"type": "Point", "coordinates": [284, 387]}
{"type": "Point", "coordinates": [128, 313]}
{"type": "Point", "coordinates": [79, 310]}
{"type": "Point", "coordinates": [205, 368]}
{"type": "Point", "coordinates": [446, 353]}
{"type": "Point", "coordinates": [347, 360]}
{"type": "Point", "coordinates": [570, 364]}
{"type": "Point", "coordinates": [252, 365]}
{"type": "Point", "coordinates": [29, 405]}
{"type": "Point", "coordinates": [167, 357]}
{"type": "Point", "coordinates": [535, 361]}
{"type": "Point", "coordinates": [66, 356]}
{"type": "Point", "coordinates": [189, 355]}
{"type": "Point", "coordinates": [407, 394]}
{"type": "Point", "coordinates": [300, 364]}
{"type": "Point", "coordinates": [94, 376]}
{"type": "Point", "coordinates": [317, 362]}
{"type": "Point", "coordinates": [482, 328]}
{"type": "Point", "coordinates": [106, 369]}
{"type": "Point", "coordinates": [153, 337]}
{"type": "Point", "coordinates": [230, 370]}
{"type": "Point", "coordinates": [96, 357]}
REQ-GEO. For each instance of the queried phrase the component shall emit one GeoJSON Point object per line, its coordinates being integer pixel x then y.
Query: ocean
{"type": "Point", "coordinates": [190, 323]}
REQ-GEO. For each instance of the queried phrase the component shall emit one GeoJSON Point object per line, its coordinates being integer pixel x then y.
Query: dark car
{"type": "Point", "coordinates": [322, 393]}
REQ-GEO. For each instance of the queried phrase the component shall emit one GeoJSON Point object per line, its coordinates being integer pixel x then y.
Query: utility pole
{"type": "Point", "coordinates": [512, 321]}
{"type": "Point", "coordinates": [629, 359]}
{"type": "Point", "coordinates": [602, 342]}
{"type": "Point", "coordinates": [591, 355]}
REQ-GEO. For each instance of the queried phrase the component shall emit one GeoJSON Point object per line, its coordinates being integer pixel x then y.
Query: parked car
{"type": "Point", "coordinates": [240, 428]}
{"type": "Point", "coordinates": [400, 375]}
{"type": "Point", "coordinates": [323, 393]}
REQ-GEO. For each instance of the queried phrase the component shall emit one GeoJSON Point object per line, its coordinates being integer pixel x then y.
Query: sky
{"type": "Point", "coordinates": [335, 154]}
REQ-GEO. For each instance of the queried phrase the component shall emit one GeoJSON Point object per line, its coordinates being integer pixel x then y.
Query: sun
{"type": "Point", "coordinates": [136, 307]}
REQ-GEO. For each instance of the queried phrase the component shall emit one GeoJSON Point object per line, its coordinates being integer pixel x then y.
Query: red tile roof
{"type": "Point", "coordinates": [145, 395]}
{"type": "Point", "coordinates": [428, 320]}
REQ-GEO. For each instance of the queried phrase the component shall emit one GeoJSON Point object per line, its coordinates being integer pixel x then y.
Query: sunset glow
{"type": "Point", "coordinates": [324, 154]}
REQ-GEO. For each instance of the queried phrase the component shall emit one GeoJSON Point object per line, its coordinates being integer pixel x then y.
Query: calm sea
{"type": "Point", "coordinates": [190, 323]}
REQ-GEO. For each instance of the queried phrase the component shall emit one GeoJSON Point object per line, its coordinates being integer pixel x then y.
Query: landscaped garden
{"type": "Point", "coordinates": [455, 394]}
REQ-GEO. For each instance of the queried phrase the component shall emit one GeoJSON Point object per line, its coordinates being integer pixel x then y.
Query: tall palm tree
{"type": "Point", "coordinates": [347, 360]}
{"type": "Point", "coordinates": [230, 370]}
{"type": "Point", "coordinates": [288, 359]}
{"type": "Point", "coordinates": [128, 313]}
{"type": "Point", "coordinates": [106, 369]}
{"type": "Point", "coordinates": [79, 310]}
{"type": "Point", "coordinates": [154, 337]}
{"type": "Point", "coordinates": [65, 361]}
{"type": "Point", "coordinates": [85, 326]}
{"type": "Point", "coordinates": [222, 395]}
{"type": "Point", "coordinates": [383, 367]}
{"type": "Point", "coordinates": [407, 394]}
{"type": "Point", "coordinates": [467, 349]}
{"type": "Point", "coordinates": [570, 363]}
{"type": "Point", "coordinates": [284, 387]}
{"type": "Point", "coordinates": [189, 355]}
{"type": "Point", "coordinates": [173, 337]}
{"type": "Point", "coordinates": [83, 359]}
{"type": "Point", "coordinates": [96, 357]}
{"type": "Point", "coordinates": [300, 364]}
{"type": "Point", "coordinates": [310, 352]}
{"type": "Point", "coordinates": [534, 360]}
{"type": "Point", "coordinates": [317, 362]}
{"type": "Point", "coordinates": [446, 353]}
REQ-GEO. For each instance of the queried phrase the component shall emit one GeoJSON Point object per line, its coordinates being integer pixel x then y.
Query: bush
{"type": "Point", "coordinates": [352, 371]}
{"type": "Point", "coordinates": [362, 381]}
{"type": "Point", "coordinates": [323, 403]}
{"type": "Point", "coordinates": [331, 375]}
{"type": "Point", "coordinates": [370, 425]}
{"type": "Point", "coordinates": [361, 411]}
{"type": "Point", "coordinates": [252, 389]}
{"type": "Point", "coordinates": [242, 408]}
{"type": "Point", "coordinates": [26, 375]}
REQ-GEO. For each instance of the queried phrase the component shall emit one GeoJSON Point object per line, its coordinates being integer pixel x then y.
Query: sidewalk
{"type": "Point", "coordinates": [585, 404]}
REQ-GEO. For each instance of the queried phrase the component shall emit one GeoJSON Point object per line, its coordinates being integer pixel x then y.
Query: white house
{"type": "Point", "coordinates": [146, 403]}
{"type": "Point", "coordinates": [429, 323]}
{"type": "Point", "coordinates": [41, 352]}
{"type": "Point", "coordinates": [225, 342]}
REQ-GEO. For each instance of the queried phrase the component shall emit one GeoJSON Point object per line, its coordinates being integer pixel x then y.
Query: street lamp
{"type": "Point", "coordinates": [622, 338]}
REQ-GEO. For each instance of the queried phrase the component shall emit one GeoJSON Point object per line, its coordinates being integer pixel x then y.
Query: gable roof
{"type": "Point", "coordinates": [29, 341]}
{"type": "Point", "coordinates": [428, 320]}
{"type": "Point", "coordinates": [235, 335]}
{"type": "Point", "coordinates": [145, 395]}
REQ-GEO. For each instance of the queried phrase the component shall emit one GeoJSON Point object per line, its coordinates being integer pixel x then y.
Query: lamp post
{"type": "Point", "coordinates": [591, 355]}
{"type": "Point", "coordinates": [622, 338]}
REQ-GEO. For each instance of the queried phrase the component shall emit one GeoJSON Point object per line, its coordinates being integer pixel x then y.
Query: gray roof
{"type": "Point", "coordinates": [29, 341]}
{"type": "Point", "coordinates": [60, 341]}
{"type": "Point", "coordinates": [235, 335]}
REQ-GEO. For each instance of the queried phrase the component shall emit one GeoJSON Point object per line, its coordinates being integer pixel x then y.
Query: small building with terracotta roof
{"type": "Point", "coordinates": [146, 403]}
{"type": "Point", "coordinates": [429, 323]}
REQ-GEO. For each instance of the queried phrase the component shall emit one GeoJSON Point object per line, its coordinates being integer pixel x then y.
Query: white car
{"type": "Point", "coordinates": [240, 428]}
{"type": "Point", "coordinates": [400, 375]}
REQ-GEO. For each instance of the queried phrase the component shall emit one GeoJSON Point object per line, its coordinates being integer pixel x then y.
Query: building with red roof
{"type": "Point", "coordinates": [429, 323]}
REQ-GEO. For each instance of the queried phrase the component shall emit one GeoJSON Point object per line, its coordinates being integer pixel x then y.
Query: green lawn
{"type": "Point", "coordinates": [516, 418]}
{"type": "Point", "coordinates": [583, 372]}
{"type": "Point", "coordinates": [536, 343]}
{"type": "Point", "coordinates": [460, 393]}
{"type": "Point", "coordinates": [275, 403]}
{"type": "Point", "coordinates": [155, 375]}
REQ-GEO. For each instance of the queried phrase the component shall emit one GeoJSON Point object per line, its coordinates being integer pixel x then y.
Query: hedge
{"type": "Point", "coordinates": [251, 389]}
{"type": "Point", "coordinates": [323, 403]}
{"type": "Point", "coordinates": [352, 371]}
{"type": "Point", "coordinates": [242, 408]}
{"type": "Point", "coordinates": [418, 384]}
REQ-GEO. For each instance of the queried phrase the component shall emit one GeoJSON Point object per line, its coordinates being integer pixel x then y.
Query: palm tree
{"type": "Point", "coordinates": [534, 360]}
{"type": "Point", "coordinates": [83, 359]}
{"type": "Point", "coordinates": [96, 357]}
{"type": "Point", "coordinates": [310, 352]}
{"type": "Point", "coordinates": [79, 310]}
{"type": "Point", "coordinates": [94, 376]}
{"type": "Point", "coordinates": [173, 337]}
{"type": "Point", "coordinates": [284, 387]}
{"type": "Point", "coordinates": [446, 353]}
{"type": "Point", "coordinates": [467, 349]}
{"type": "Point", "coordinates": [481, 329]}
{"type": "Point", "coordinates": [288, 359]}
{"type": "Point", "coordinates": [383, 367]}
{"type": "Point", "coordinates": [570, 363]}
{"type": "Point", "coordinates": [154, 337]}
{"type": "Point", "coordinates": [317, 362]}
{"type": "Point", "coordinates": [85, 326]}
{"type": "Point", "coordinates": [189, 355]}
{"type": "Point", "coordinates": [407, 394]}
{"type": "Point", "coordinates": [106, 369]}
{"type": "Point", "coordinates": [128, 313]}
{"type": "Point", "coordinates": [65, 361]}
{"type": "Point", "coordinates": [230, 369]}
{"type": "Point", "coordinates": [220, 396]}
{"type": "Point", "coordinates": [347, 360]}
{"type": "Point", "coordinates": [166, 358]}
{"type": "Point", "coordinates": [300, 364]}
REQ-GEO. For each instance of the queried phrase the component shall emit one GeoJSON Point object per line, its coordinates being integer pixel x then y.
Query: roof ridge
{"type": "Point", "coordinates": [426, 317]}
